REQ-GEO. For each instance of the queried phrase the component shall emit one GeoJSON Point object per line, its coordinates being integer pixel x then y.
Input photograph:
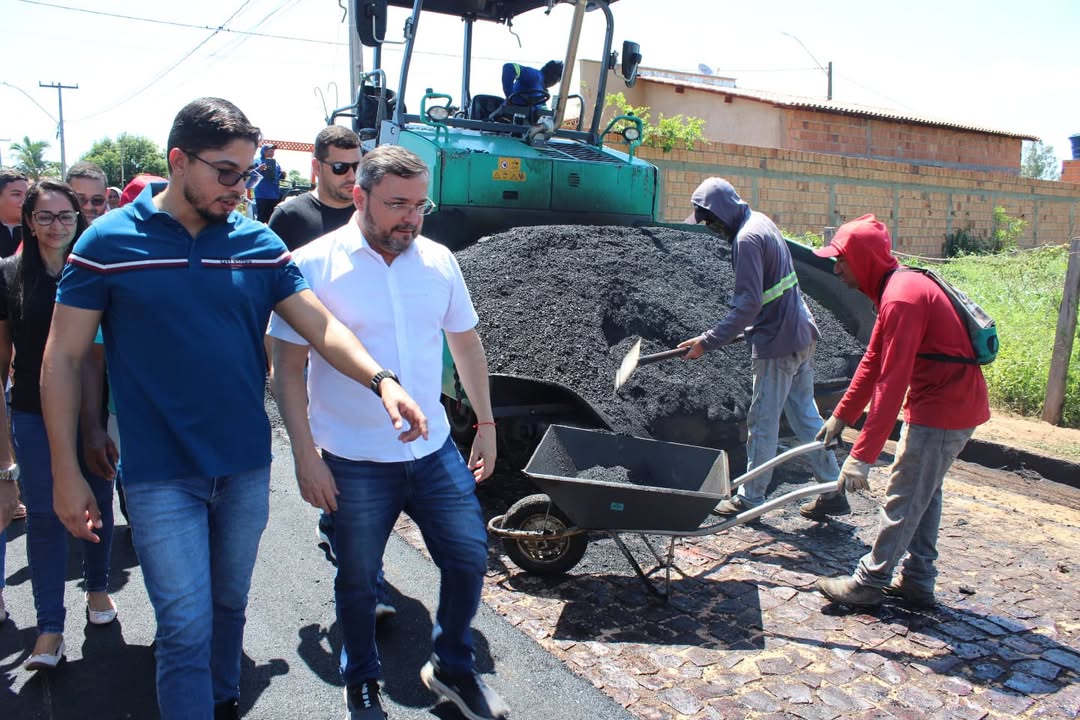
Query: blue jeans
{"type": "Point", "coordinates": [784, 384]}
{"type": "Point", "coordinates": [197, 538]}
{"type": "Point", "coordinates": [909, 520]}
{"type": "Point", "coordinates": [437, 492]}
{"type": "Point", "coordinates": [46, 536]}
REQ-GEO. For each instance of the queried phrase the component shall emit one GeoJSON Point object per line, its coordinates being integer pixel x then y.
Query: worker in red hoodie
{"type": "Point", "coordinates": [946, 400]}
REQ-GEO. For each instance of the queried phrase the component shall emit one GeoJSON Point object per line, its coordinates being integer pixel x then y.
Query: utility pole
{"type": "Point", "coordinates": [828, 72]}
{"type": "Point", "coordinates": [60, 88]}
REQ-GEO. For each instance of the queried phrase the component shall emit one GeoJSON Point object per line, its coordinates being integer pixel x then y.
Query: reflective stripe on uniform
{"type": "Point", "coordinates": [786, 283]}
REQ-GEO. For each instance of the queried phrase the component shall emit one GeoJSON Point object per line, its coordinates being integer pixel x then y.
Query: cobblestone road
{"type": "Point", "coordinates": [745, 635]}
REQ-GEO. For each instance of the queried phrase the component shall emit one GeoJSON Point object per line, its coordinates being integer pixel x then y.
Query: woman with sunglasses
{"type": "Point", "coordinates": [51, 224]}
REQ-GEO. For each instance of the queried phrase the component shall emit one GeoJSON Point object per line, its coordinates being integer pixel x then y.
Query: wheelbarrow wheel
{"type": "Point", "coordinates": [537, 513]}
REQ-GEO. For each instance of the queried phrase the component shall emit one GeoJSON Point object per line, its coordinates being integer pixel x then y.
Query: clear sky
{"type": "Point", "coordinates": [994, 63]}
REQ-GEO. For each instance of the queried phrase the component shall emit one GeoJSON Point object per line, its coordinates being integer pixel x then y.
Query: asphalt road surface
{"type": "Point", "coordinates": [291, 644]}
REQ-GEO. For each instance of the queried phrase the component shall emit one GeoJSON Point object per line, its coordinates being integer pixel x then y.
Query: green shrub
{"type": "Point", "coordinates": [666, 133]}
{"type": "Point", "coordinates": [808, 238]}
{"type": "Point", "coordinates": [1022, 292]}
{"type": "Point", "coordinates": [1002, 237]}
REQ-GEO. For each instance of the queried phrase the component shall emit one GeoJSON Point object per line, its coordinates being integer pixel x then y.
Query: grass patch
{"type": "Point", "coordinates": [1022, 292]}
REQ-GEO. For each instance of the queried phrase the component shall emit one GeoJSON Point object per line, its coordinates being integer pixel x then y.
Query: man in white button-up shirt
{"type": "Point", "coordinates": [400, 293]}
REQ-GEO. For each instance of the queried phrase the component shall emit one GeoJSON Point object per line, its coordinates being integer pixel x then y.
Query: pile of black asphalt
{"type": "Point", "coordinates": [565, 304]}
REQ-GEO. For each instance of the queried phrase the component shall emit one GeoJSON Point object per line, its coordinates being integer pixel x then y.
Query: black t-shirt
{"type": "Point", "coordinates": [301, 219]}
{"type": "Point", "coordinates": [10, 237]}
{"type": "Point", "coordinates": [29, 330]}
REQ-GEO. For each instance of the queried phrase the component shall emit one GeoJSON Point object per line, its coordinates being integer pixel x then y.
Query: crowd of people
{"type": "Point", "coordinates": [342, 300]}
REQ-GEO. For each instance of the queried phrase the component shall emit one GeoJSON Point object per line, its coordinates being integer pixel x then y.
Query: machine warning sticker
{"type": "Point", "coordinates": [509, 169]}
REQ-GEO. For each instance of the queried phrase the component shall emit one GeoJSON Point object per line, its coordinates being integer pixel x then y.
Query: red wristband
{"type": "Point", "coordinates": [477, 425]}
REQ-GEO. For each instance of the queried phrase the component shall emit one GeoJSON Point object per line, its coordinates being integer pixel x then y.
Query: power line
{"type": "Point", "coordinates": [168, 70]}
{"type": "Point", "coordinates": [173, 23]}
{"type": "Point", "coordinates": [30, 98]}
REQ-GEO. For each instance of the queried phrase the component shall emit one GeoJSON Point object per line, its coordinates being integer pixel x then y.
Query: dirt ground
{"type": "Point", "coordinates": [1031, 434]}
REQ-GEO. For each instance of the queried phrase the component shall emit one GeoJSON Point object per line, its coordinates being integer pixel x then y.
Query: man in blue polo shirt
{"type": "Point", "coordinates": [183, 287]}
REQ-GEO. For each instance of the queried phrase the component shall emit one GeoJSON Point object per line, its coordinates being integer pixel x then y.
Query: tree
{"type": "Point", "coordinates": [1040, 162]}
{"type": "Point", "coordinates": [136, 154]}
{"type": "Point", "coordinates": [30, 158]}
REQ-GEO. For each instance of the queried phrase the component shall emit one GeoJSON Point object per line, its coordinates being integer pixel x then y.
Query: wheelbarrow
{"type": "Point", "coordinates": [631, 485]}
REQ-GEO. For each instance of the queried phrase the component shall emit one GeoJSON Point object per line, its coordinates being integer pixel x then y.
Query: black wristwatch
{"type": "Point", "coordinates": [379, 377]}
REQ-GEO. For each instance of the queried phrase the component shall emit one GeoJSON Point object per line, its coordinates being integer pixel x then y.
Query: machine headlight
{"type": "Point", "coordinates": [631, 133]}
{"type": "Point", "coordinates": [439, 113]}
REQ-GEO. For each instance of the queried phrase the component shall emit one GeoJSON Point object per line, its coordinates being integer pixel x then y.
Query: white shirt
{"type": "Point", "coordinates": [399, 312]}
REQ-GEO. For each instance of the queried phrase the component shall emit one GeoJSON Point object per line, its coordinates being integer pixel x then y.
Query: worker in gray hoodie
{"type": "Point", "coordinates": [768, 307]}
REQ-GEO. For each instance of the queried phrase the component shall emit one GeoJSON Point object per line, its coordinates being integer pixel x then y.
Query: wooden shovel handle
{"type": "Point", "coordinates": [665, 355]}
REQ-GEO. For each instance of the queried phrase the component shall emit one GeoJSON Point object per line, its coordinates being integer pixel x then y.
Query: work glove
{"type": "Point", "coordinates": [853, 475]}
{"type": "Point", "coordinates": [831, 431]}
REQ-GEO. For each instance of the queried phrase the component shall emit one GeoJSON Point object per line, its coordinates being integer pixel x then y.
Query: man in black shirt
{"type": "Point", "coordinates": [13, 187]}
{"type": "Point", "coordinates": [329, 205]}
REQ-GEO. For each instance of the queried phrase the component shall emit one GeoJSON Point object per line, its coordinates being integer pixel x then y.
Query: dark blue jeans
{"type": "Point", "coordinates": [437, 492]}
{"type": "Point", "coordinates": [197, 538]}
{"type": "Point", "coordinates": [46, 536]}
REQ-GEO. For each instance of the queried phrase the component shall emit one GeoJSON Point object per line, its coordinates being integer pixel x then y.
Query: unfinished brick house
{"type": "Point", "coordinates": [811, 163]}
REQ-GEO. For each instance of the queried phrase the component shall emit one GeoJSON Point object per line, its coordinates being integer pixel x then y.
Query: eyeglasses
{"type": "Point", "coordinates": [228, 178]}
{"type": "Point", "coordinates": [426, 207]}
{"type": "Point", "coordinates": [96, 201]}
{"type": "Point", "coordinates": [46, 218]}
{"type": "Point", "coordinates": [340, 168]}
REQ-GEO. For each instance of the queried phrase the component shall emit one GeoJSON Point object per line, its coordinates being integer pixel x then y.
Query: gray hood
{"type": "Point", "coordinates": [721, 199]}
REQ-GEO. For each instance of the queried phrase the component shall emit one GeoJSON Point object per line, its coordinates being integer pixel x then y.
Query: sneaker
{"type": "Point", "coordinates": [362, 702]}
{"type": "Point", "coordinates": [384, 610]}
{"type": "Point", "coordinates": [847, 591]}
{"type": "Point", "coordinates": [324, 533]}
{"type": "Point", "coordinates": [473, 698]}
{"type": "Point", "coordinates": [826, 505]}
{"type": "Point", "coordinates": [228, 710]}
{"type": "Point", "coordinates": [910, 595]}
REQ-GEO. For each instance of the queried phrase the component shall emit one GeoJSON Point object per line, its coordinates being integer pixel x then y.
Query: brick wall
{"type": "Point", "coordinates": [806, 191]}
{"type": "Point", "coordinates": [1070, 171]}
{"type": "Point", "coordinates": [873, 138]}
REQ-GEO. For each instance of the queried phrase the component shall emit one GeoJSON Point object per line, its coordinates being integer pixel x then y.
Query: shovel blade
{"type": "Point", "coordinates": [628, 365]}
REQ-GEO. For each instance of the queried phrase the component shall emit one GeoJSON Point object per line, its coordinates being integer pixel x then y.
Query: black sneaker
{"type": "Point", "coordinates": [324, 533]}
{"type": "Point", "coordinates": [362, 702]}
{"type": "Point", "coordinates": [825, 506]}
{"type": "Point", "coordinates": [228, 710]}
{"type": "Point", "coordinates": [473, 698]}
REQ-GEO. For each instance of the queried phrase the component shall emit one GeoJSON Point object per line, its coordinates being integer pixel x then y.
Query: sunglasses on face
{"type": "Point", "coordinates": [228, 178]}
{"type": "Point", "coordinates": [341, 168]}
{"type": "Point", "coordinates": [46, 218]}
{"type": "Point", "coordinates": [96, 201]}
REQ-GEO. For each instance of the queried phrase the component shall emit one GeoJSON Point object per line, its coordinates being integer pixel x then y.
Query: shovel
{"type": "Point", "coordinates": [634, 359]}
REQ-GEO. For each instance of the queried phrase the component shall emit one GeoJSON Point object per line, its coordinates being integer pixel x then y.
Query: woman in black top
{"type": "Point", "coordinates": [51, 224]}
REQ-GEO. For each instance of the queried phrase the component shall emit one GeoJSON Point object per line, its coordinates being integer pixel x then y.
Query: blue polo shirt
{"type": "Point", "coordinates": [183, 321]}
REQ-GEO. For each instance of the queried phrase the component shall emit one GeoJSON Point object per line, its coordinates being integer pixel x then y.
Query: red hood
{"type": "Point", "coordinates": [866, 246]}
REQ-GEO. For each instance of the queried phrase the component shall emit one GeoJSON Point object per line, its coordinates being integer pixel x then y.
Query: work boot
{"type": "Point", "coordinates": [910, 595]}
{"type": "Point", "coordinates": [848, 591]}
{"type": "Point", "coordinates": [825, 506]}
{"type": "Point", "coordinates": [731, 507]}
